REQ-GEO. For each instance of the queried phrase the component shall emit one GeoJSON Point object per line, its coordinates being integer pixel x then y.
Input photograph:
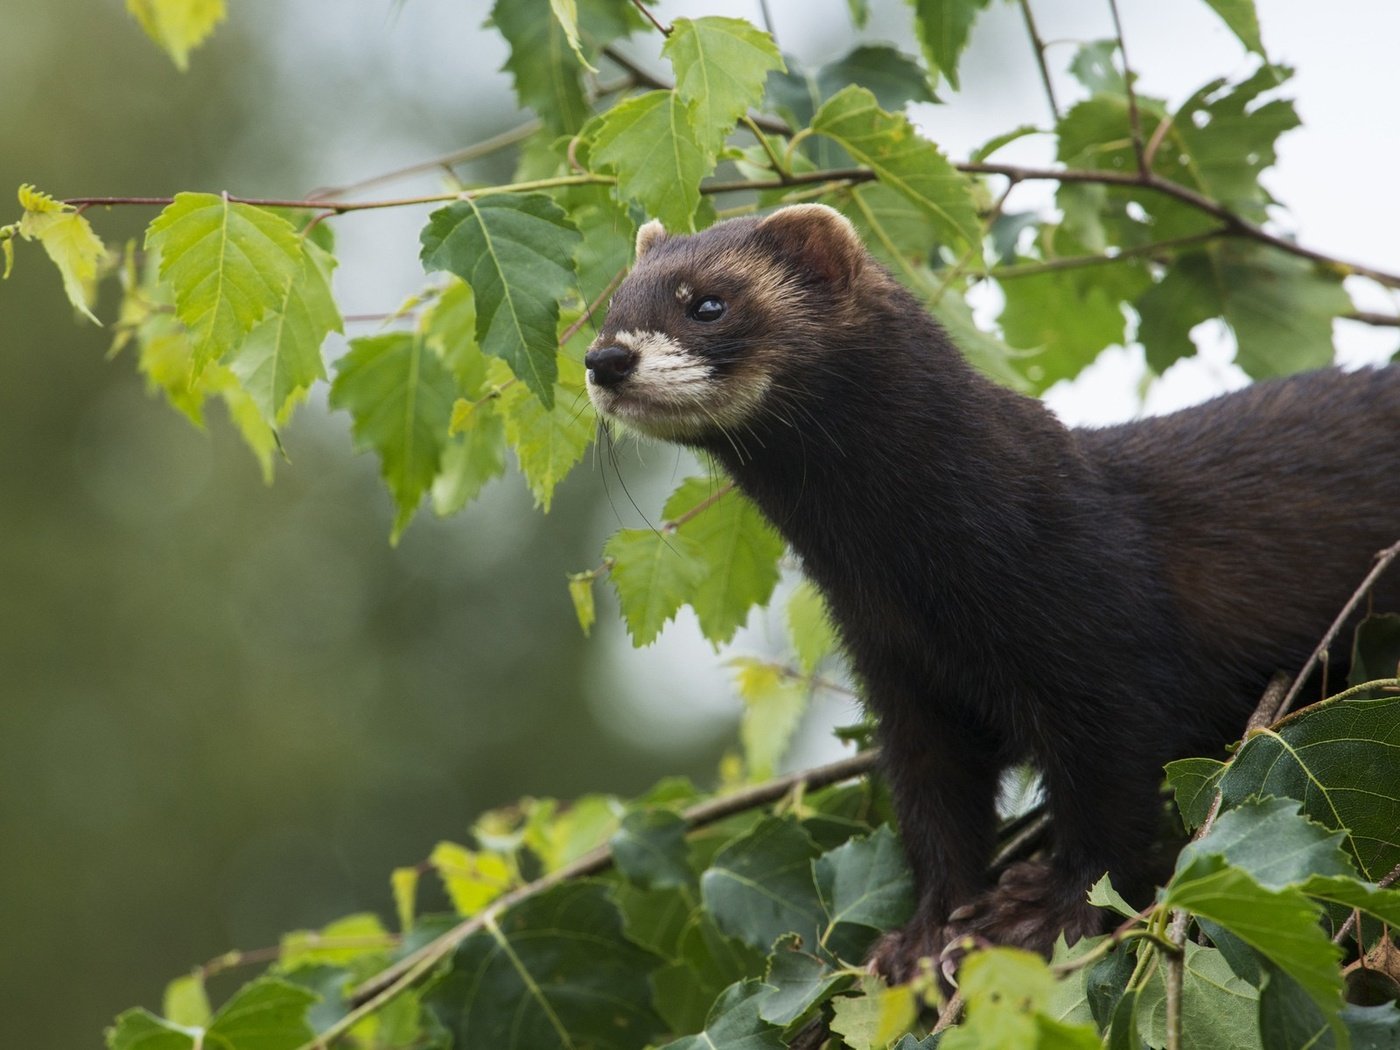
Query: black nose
{"type": "Point", "coordinates": [610, 364]}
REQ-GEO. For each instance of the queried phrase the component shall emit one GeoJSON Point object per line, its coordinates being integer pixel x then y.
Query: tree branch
{"type": "Point", "coordinates": [1134, 117]}
{"type": "Point", "coordinates": [1383, 560]}
{"type": "Point", "coordinates": [384, 986]}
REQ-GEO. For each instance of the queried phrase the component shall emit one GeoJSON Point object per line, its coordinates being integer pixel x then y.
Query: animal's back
{"type": "Point", "coordinates": [1266, 506]}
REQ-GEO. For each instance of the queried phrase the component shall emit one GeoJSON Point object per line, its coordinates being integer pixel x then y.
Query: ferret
{"type": "Point", "coordinates": [1096, 601]}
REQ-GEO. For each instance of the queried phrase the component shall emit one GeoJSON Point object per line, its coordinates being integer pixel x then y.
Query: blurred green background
{"type": "Point", "coordinates": [228, 710]}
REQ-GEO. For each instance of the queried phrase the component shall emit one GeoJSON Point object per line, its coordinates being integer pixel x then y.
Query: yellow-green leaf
{"type": "Point", "coordinates": [472, 879]}
{"type": "Point", "coordinates": [178, 26]}
{"type": "Point", "coordinates": [659, 160]}
{"type": "Point", "coordinates": [740, 552]}
{"type": "Point", "coordinates": [773, 705]}
{"type": "Point", "coordinates": [68, 240]}
{"type": "Point", "coordinates": [654, 574]}
{"type": "Point", "coordinates": [228, 264]}
{"type": "Point", "coordinates": [566, 14]}
{"type": "Point", "coordinates": [581, 594]}
{"type": "Point", "coordinates": [721, 66]}
{"type": "Point", "coordinates": [186, 1002]}
{"type": "Point", "coordinates": [404, 884]}
{"type": "Point", "coordinates": [548, 442]}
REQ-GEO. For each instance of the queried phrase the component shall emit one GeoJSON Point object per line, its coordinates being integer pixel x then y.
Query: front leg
{"type": "Point", "coordinates": [1104, 807]}
{"type": "Point", "coordinates": [943, 775]}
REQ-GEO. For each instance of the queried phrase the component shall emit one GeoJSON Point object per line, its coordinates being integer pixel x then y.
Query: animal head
{"type": "Point", "coordinates": [708, 328]}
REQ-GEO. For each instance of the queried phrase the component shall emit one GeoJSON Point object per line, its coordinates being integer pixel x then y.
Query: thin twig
{"type": "Point", "coordinates": [475, 151]}
{"type": "Point", "coordinates": [1134, 117]}
{"type": "Point", "coordinates": [699, 508]}
{"type": "Point", "coordinates": [396, 978]}
{"type": "Point", "coordinates": [1038, 43]}
{"type": "Point", "coordinates": [665, 30]}
{"type": "Point", "coordinates": [1383, 560]}
{"type": "Point", "coordinates": [1267, 711]}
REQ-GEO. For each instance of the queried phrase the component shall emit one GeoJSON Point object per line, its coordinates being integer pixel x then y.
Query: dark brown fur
{"type": "Point", "coordinates": [1096, 601]}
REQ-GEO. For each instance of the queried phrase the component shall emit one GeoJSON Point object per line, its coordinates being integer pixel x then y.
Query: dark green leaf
{"type": "Point", "coordinates": [760, 886]}
{"type": "Point", "coordinates": [1240, 16]}
{"type": "Point", "coordinates": [734, 1023]}
{"type": "Point", "coordinates": [800, 981]}
{"type": "Point", "coordinates": [866, 882]}
{"type": "Point", "coordinates": [650, 850]}
{"type": "Point", "coordinates": [1288, 1019]}
{"type": "Point", "coordinates": [1218, 1008]}
{"type": "Point", "coordinates": [1373, 1027]}
{"type": "Point", "coordinates": [1282, 925]}
{"type": "Point", "coordinates": [516, 252]}
{"type": "Point", "coordinates": [944, 27]}
{"type": "Point", "coordinates": [1375, 652]}
{"type": "Point", "coordinates": [1194, 782]}
{"type": "Point", "coordinates": [554, 971]}
{"type": "Point", "coordinates": [1341, 761]}
{"type": "Point", "coordinates": [1270, 839]}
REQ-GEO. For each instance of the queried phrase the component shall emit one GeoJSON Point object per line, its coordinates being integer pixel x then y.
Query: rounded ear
{"type": "Point", "coordinates": [649, 236]}
{"type": "Point", "coordinates": [819, 238]}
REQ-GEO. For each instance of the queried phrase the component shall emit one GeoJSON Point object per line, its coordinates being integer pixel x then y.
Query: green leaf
{"type": "Point", "coordinates": [1240, 16]}
{"type": "Point", "coordinates": [546, 81]}
{"type": "Point", "coordinates": [1373, 1028]}
{"type": "Point", "coordinates": [399, 396]}
{"type": "Point", "coordinates": [809, 626]}
{"type": "Point", "coordinates": [1007, 992]}
{"type": "Point", "coordinates": [475, 453]}
{"type": "Point", "coordinates": [1281, 925]}
{"type": "Point", "coordinates": [759, 887]}
{"type": "Point", "coordinates": [874, 1020]}
{"type": "Point", "coordinates": [773, 706]}
{"type": "Point", "coordinates": [403, 883]}
{"type": "Point", "coordinates": [1218, 1009]}
{"type": "Point", "coordinates": [649, 142]}
{"type": "Point", "coordinates": [516, 251]}
{"type": "Point", "coordinates": [1280, 308]}
{"type": "Point", "coordinates": [720, 65]}
{"type": "Point", "coordinates": [1194, 782]}
{"type": "Point", "coordinates": [800, 981]}
{"type": "Point", "coordinates": [1067, 317]}
{"type": "Point", "coordinates": [706, 963]}
{"type": "Point", "coordinates": [1375, 651]}
{"type": "Point", "coordinates": [888, 144]}
{"type": "Point", "coordinates": [1341, 762]}
{"type": "Point", "coordinates": [339, 943]}
{"type": "Point", "coordinates": [944, 27]}
{"type": "Point", "coordinates": [654, 574]}
{"type": "Point", "coordinates": [228, 264]}
{"type": "Point", "coordinates": [649, 849]}
{"type": "Point", "coordinates": [566, 14]}
{"type": "Point", "coordinates": [554, 971]}
{"type": "Point", "coordinates": [268, 1014]}
{"type": "Point", "coordinates": [1094, 67]}
{"type": "Point", "coordinates": [1274, 843]}
{"type": "Point", "coordinates": [739, 550]}
{"type": "Point", "coordinates": [581, 595]}
{"type": "Point", "coordinates": [549, 442]}
{"type": "Point", "coordinates": [279, 359]}
{"type": "Point", "coordinates": [178, 26]}
{"type": "Point", "coordinates": [140, 1029]}
{"type": "Point", "coordinates": [734, 1023]}
{"type": "Point", "coordinates": [866, 882]}
{"type": "Point", "coordinates": [68, 240]}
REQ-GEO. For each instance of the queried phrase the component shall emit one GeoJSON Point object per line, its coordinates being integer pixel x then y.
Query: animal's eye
{"type": "Point", "coordinates": [707, 308]}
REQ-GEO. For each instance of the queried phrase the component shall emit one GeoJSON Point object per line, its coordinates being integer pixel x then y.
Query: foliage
{"type": "Point", "coordinates": [663, 919]}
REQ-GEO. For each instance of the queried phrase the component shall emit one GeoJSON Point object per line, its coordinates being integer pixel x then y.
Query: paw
{"type": "Point", "coordinates": [1030, 906]}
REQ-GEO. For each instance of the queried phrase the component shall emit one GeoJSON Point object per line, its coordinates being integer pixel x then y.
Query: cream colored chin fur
{"type": "Point", "coordinates": [672, 394]}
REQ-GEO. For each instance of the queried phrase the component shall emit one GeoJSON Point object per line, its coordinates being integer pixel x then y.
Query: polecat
{"type": "Point", "coordinates": [1096, 601]}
